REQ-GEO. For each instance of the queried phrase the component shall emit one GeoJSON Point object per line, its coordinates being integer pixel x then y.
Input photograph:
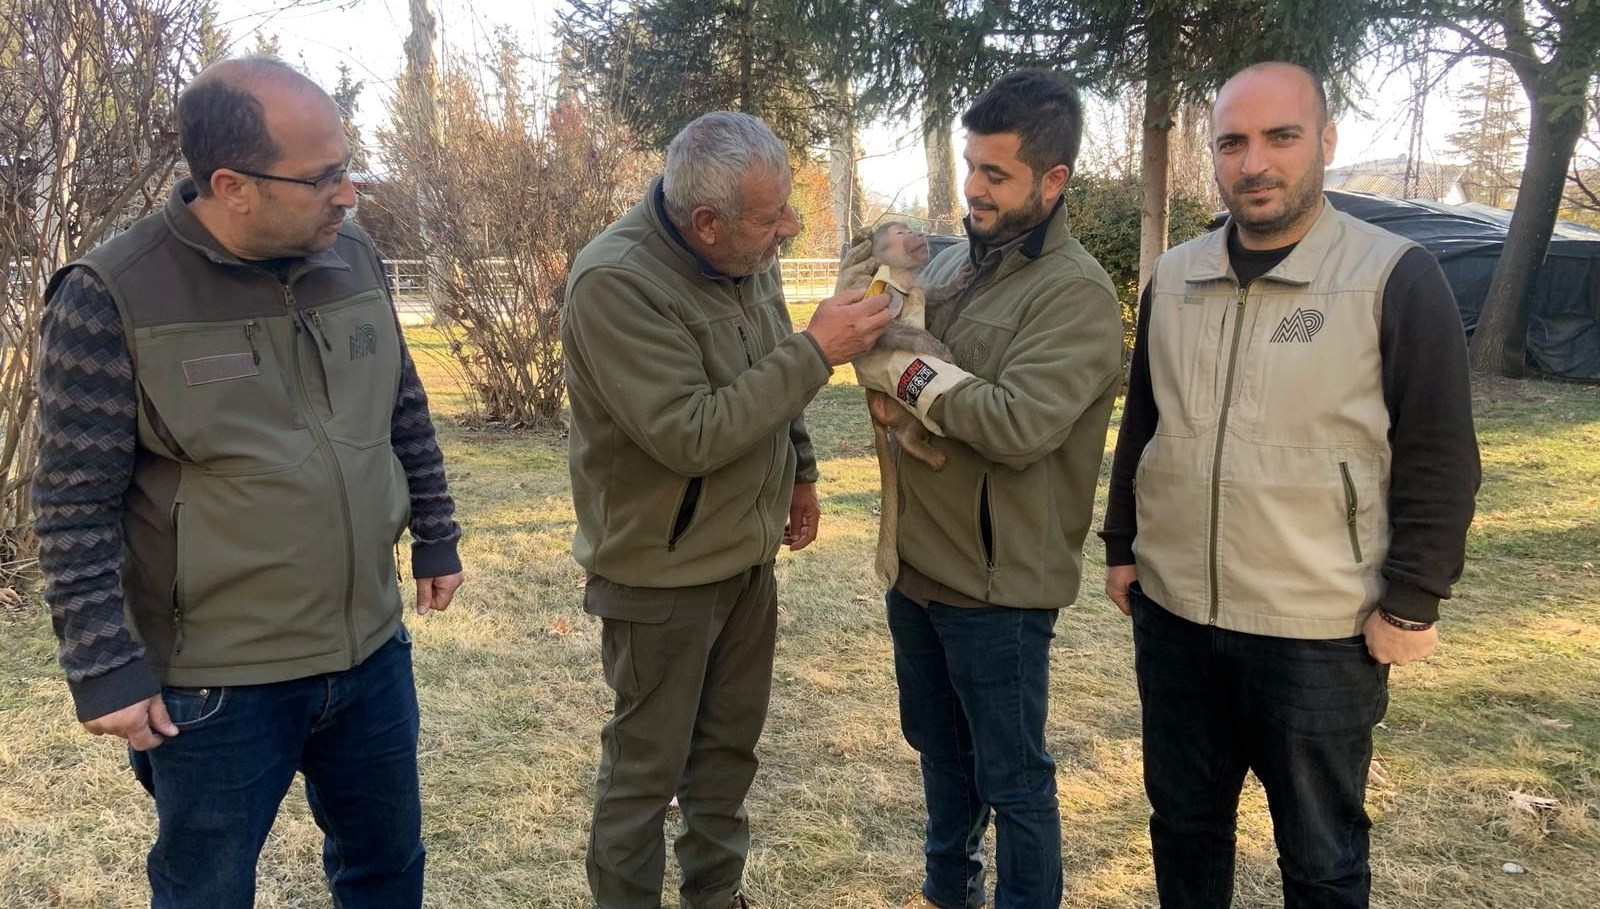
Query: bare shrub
{"type": "Point", "coordinates": [504, 194]}
{"type": "Point", "coordinates": [87, 146]}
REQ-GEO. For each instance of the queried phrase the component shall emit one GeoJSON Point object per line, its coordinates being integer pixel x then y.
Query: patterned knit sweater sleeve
{"type": "Point", "coordinates": [87, 430]}
{"type": "Point", "coordinates": [434, 532]}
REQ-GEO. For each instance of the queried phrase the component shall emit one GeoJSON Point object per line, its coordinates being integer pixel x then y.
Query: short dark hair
{"type": "Point", "coordinates": [222, 124]}
{"type": "Point", "coordinates": [1041, 107]}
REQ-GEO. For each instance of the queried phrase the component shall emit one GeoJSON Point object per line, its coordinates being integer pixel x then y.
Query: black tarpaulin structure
{"type": "Point", "coordinates": [1564, 330]}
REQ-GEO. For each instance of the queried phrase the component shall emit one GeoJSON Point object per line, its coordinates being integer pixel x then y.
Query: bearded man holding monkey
{"type": "Point", "coordinates": [991, 545]}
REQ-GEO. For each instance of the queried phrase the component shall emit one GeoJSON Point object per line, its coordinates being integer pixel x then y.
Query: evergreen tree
{"type": "Point", "coordinates": [347, 94]}
{"type": "Point", "coordinates": [1493, 134]}
{"type": "Point", "coordinates": [660, 63]}
{"type": "Point", "coordinates": [1554, 50]}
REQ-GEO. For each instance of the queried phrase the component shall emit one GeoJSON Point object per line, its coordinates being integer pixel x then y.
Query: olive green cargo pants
{"type": "Point", "coordinates": [692, 672]}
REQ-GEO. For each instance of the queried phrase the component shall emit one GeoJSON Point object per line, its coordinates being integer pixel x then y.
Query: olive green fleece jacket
{"type": "Point", "coordinates": [686, 389]}
{"type": "Point", "coordinates": [1005, 520]}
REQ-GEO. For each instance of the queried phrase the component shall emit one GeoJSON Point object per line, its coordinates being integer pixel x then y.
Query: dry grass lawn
{"type": "Point", "coordinates": [1490, 753]}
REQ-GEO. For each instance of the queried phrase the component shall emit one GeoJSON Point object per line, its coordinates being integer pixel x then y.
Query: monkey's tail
{"type": "Point", "coordinates": [887, 561]}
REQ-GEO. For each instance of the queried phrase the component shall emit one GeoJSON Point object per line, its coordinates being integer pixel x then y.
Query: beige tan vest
{"type": "Point", "coordinates": [1262, 498]}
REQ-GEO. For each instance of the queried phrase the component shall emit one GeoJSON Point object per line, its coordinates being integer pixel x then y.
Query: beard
{"type": "Point", "coordinates": [1010, 224]}
{"type": "Point", "coordinates": [1298, 200]}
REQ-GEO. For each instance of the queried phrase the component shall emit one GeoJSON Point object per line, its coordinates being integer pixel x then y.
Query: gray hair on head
{"type": "Point", "coordinates": [707, 160]}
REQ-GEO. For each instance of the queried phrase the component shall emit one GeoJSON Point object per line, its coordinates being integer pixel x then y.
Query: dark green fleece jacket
{"type": "Point", "coordinates": [687, 389]}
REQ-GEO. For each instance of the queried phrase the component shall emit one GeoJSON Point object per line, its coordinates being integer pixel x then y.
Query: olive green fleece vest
{"type": "Point", "coordinates": [266, 499]}
{"type": "Point", "coordinates": [1263, 497]}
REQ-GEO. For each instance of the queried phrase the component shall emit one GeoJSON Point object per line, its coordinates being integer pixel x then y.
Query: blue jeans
{"type": "Point", "coordinates": [1297, 712]}
{"type": "Point", "coordinates": [974, 692]}
{"type": "Point", "coordinates": [218, 784]}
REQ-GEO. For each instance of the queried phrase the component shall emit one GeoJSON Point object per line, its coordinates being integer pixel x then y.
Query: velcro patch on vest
{"type": "Point", "coordinates": [914, 381]}
{"type": "Point", "coordinates": [205, 370]}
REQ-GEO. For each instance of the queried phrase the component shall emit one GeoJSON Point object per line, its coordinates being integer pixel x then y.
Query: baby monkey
{"type": "Point", "coordinates": [901, 253]}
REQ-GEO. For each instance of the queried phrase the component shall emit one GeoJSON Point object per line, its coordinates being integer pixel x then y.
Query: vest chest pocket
{"type": "Point", "coordinates": [359, 351]}
{"type": "Point", "coordinates": [218, 391]}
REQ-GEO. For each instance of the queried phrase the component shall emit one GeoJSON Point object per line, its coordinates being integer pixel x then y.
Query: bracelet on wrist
{"type": "Point", "coordinates": [1403, 624]}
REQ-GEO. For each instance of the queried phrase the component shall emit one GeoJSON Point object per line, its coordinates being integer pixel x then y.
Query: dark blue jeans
{"type": "Point", "coordinates": [1297, 712]}
{"type": "Point", "coordinates": [974, 692]}
{"type": "Point", "coordinates": [218, 784]}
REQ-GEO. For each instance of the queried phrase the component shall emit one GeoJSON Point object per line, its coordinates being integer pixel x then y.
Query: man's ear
{"type": "Point", "coordinates": [705, 225]}
{"type": "Point", "coordinates": [236, 192]}
{"type": "Point", "coordinates": [1054, 182]}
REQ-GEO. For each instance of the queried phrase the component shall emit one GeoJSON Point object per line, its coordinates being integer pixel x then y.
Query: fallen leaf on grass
{"type": "Point", "coordinates": [1532, 804]}
{"type": "Point", "coordinates": [1378, 777]}
{"type": "Point", "coordinates": [9, 598]}
{"type": "Point", "coordinates": [560, 628]}
{"type": "Point", "coordinates": [866, 598]}
{"type": "Point", "coordinates": [1548, 722]}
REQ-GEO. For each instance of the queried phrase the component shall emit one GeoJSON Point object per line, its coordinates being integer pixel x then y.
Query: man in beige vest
{"type": "Point", "coordinates": [1289, 502]}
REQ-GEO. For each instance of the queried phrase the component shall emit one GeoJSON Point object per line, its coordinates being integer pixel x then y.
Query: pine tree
{"type": "Point", "coordinates": [1493, 134]}
{"type": "Point", "coordinates": [347, 94]}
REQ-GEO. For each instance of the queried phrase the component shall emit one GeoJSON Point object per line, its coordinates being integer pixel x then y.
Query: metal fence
{"type": "Point", "coordinates": [808, 280]}
{"type": "Point", "coordinates": [804, 280]}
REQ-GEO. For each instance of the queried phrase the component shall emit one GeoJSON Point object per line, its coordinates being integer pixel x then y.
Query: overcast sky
{"type": "Point", "coordinates": [369, 34]}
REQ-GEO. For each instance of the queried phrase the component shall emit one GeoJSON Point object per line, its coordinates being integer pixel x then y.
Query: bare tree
{"type": "Point", "coordinates": [86, 146]}
{"type": "Point", "coordinates": [511, 191]}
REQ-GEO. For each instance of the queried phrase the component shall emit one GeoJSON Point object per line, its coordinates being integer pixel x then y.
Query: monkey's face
{"type": "Point", "coordinates": [898, 246]}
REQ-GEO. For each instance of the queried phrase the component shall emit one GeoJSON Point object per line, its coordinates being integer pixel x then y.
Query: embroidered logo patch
{"type": "Point", "coordinates": [914, 381]}
{"type": "Point", "coordinates": [975, 355]}
{"type": "Point", "coordinates": [364, 343]}
{"type": "Point", "coordinates": [1301, 326]}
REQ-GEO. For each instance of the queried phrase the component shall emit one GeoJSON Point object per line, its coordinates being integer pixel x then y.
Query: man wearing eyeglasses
{"type": "Point", "coordinates": [232, 439]}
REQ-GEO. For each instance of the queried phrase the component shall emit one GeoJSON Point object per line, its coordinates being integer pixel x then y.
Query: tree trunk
{"type": "Point", "coordinates": [943, 211]}
{"type": "Point", "coordinates": [1500, 343]}
{"type": "Point", "coordinates": [747, 94]}
{"type": "Point", "coordinates": [419, 47]}
{"type": "Point", "coordinates": [849, 208]}
{"type": "Point", "coordinates": [1154, 158]}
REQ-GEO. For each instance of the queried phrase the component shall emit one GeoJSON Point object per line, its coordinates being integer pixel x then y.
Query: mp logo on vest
{"type": "Point", "coordinates": [1301, 325]}
{"type": "Point", "coordinates": [363, 343]}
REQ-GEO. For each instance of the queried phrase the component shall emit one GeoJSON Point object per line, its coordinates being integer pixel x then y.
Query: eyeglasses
{"type": "Point", "coordinates": [320, 184]}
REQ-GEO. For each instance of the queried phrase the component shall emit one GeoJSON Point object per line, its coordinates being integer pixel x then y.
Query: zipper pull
{"type": "Point", "coordinates": [250, 336]}
{"type": "Point", "coordinates": [744, 342]}
{"type": "Point", "coordinates": [316, 321]}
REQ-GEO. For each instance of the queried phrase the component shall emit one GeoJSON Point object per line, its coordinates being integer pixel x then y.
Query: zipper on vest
{"type": "Point", "coordinates": [250, 336]}
{"type": "Point", "coordinates": [1222, 434]}
{"type": "Point", "coordinates": [177, 590]}
{"type": "Point", "coordinates": [325, 445]}
{"type": "Point", "coordinates": [1350, 504]}
{"type": "Point", "coordinates": [316, 329]}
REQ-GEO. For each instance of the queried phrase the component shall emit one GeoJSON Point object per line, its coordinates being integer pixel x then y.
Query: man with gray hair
{"type": "Point", "coordinates": [690, 466]}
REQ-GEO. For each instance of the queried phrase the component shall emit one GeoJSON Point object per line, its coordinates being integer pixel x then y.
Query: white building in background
{"type": "Point", "coordinates": [1392, 177]}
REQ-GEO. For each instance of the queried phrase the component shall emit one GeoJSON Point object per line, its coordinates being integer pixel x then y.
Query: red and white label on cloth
{"type": "Point", "coordinates": [914, 381]}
